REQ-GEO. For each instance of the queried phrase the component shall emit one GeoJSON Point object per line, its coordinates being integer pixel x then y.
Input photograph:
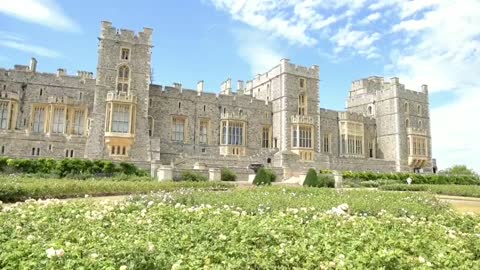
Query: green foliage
{"type": "Point", "coordinates": [416, 178]}
{"type": "Point", "coordinates": [263, 177]}
{"type": "Point", "coordinates": [69, 168]}
{"type": "Point", "coordinates": [453, 190]}
{"type": "Point", "coordinates": [326, 180]}
{"type": "Point", "coordinates": [311, 179]}
{"type": "Point", "coordinates": [22, 188]}
{"type": "Point", "coordinates": [193, 176]}
{"type": "Point", "coordinates": [271, 174]}
{"type": "Point", "coordinates": [459, 170]}
{"type": "Point", "coordinates": [261, 228]}
{"type": "Point", "coordinates": [228, 175]}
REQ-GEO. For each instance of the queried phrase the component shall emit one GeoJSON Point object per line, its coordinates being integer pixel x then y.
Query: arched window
{"type": "Point", "coordinates": [370, 110]}
{"type": "Point", "coordinates": [406, 107]}
{"type": "Point", "coordinates": [419, 110]}
{"type": "Point", "coordinates": [420, 124]}
{"type": "Point", "coordinates": [123, 79]}
{"type": "Point", "coordinates": [407, 123]}
{"type": "Point", "coordinates": [240, 112]}
{"type": "Point", "coordinates": [302, 104]}
{"type": "Point", "coordinates": [150, 126]}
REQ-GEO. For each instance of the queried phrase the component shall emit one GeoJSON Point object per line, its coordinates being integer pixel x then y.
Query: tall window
{"type": "Point", "coordinates": [125, 54]}
{"type": "Point", "coordinates": [232, 132]}
{"type": "Point", "coordinates": [266, 137]}
{"type": "Point", "coordinates": [3, 115]}
{"type": "Point", "coordinates": [302, 83]}
{"type": "Point", "coordinates": [39, 120]}
{"type": "Point", "coordinates": [406, 107]}
{"type": "Point", "coordinates": [78, 122]}
{"type": "Point", "coordinates": [150, 126]}
{"type": "Point", "coordinates": [419, 110]}
{"type": "Point", "coordinates": [351, 136]}
{"type": "Point", "coordinates": [204, 131]}
{"type": "Point", "coordinates": [58, 120]}
{"type": "Point", "coordinates": [302, 136]}
{"type": "Point", "coordinates": [178, 129]}
{"type": "Point", "coordinates": [407, 123]}
{"type": "Point", "coordinates": [122, 79]}
{"type": "Point", "coordinates": [302, 104]}
{"type": "Point", "coordinates": [120, 118]}
{"type": "Point", "coordinates": [419, 145]}
{"type": "Point", "coordinates": [326, 143]}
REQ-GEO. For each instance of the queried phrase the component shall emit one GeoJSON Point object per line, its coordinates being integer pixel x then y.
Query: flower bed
{"type": "Point", "coordinates": [160, 232]}
{"type": "Point", "coordinates": [453, 190]}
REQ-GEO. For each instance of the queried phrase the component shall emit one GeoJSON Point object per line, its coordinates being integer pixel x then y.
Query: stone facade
{"type": "Point", "coordinates": [273, 119]}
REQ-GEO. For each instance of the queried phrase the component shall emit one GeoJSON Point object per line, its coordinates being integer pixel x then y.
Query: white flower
{"type": "Point", "coordinates": [421, 259]}
{"type": "Point", "coordinates": [176, 266]}
{"type": "Point", "coordinates": [222, 237]}
{"type": "Point", "coordinates": [150, 204]}
{"type": "Point", "coordinates": [30, 237]}
{"type": "Point", "coordinates": [123, 267]}
{"type": "Point", "coordinates": [94, 255]}
{"type": "Point", "coordinates": [50, 253]}
{"type": "Point", "coordinates": [59, 252]}
{"type": "Point", "coordinates": [151, 247]}
{"type": "Point", "coordinates": [86, 195]}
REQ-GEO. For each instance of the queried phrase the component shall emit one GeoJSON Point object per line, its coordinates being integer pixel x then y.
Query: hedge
{"type": "Point", "coordinates": [416, 178]}
{"type": "Point", "coordinates": [264, 177]}
{"type": "Point", "coordinates": [453, 190]}
{"type": "Point", "coordinates": [68, 168]}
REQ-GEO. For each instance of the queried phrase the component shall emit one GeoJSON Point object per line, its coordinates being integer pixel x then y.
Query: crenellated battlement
{"type": "Point", "coordinates": [125, 35]}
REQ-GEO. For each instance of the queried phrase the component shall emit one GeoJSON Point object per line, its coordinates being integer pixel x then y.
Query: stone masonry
{"type": "Point", "coordinates": [273, 119]}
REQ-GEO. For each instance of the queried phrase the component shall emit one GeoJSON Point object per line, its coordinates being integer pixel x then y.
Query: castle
{"type": "Point", "coordinates": [273, 119]}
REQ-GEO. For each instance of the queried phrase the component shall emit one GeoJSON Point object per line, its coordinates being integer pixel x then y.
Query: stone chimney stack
{"type": "Point", "coordinates": [61, 72]}
{"type": "Point", "coordinates": [33, 65]}
{"type": "Point", "coordinates": [229, 86]}
{"type": "Point", "coordinates": [178, 86]}
{"type": "Point", "coordinates": [425, 89]}
{"type": "Point", "coordinates": [200, 87]}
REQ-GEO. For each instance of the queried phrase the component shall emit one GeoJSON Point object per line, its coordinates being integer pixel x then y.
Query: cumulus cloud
{"type": "Point", "coordinates": [43, 12]}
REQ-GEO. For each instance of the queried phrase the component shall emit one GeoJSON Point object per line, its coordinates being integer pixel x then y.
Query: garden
{"type": "Point", "coordinates": [259, 228]}
{"type": "Point", "coordinates": [195, 223]}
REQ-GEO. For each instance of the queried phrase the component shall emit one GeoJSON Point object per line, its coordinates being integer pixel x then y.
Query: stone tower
{"type": "Point", "coordinates": [294, 93]}
{"type": "Point", "coordinates": [402, 120]}
{"type": "Point", "coordinates": [119, 122]}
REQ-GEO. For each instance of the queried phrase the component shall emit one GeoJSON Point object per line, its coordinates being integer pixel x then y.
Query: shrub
{"type": "Point", "coordinates": [271, 174]}
{"type": "Point", "coordinates": [326, 180]}
{"type": "Point", "coordinates": [263, 177]}
{"type": "Point", "coordinates": [192, 176]}
{"type": "Point", "coordinates": [311, 179]}
{"type": "Point", "coordinates": [228, 175]}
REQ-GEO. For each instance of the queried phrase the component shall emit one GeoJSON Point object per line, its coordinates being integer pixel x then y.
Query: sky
{"type": "Point", "coordinates": [433, 42]}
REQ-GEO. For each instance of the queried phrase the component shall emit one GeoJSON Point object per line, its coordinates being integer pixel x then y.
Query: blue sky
{"type": "Point", "coordinates": [434, 42]}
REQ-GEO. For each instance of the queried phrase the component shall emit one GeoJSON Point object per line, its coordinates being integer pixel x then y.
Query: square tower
{"type": "Point", "coordinates": [119, 124]}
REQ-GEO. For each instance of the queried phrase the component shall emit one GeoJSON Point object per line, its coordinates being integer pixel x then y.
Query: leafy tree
{"type": "Point", "coordinates": [459, 170]}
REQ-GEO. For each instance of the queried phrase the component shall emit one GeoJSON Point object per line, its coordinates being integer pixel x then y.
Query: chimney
{"type": "Point", "coordinates": [178, 86]}
{"type": "Point", "coordinates": [228, 86]}
{"type": "Point", "coordinates": [61, 72]}
{"type": "Point", "coordinates": [200, 88]}
{"type": "Point", "coordinates": [425, 89]}
{"type": "Point", "coordinates": [33, 65]}
{"type": "Point", "coordinates": [239, 85]}
{"type": "Point", "coordinates": [394, 80]}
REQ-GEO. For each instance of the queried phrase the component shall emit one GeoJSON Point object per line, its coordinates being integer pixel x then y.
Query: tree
{"type": "Point", "coordinates": [459, 170]}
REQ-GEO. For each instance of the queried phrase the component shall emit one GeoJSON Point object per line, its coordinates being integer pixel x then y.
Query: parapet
{"type": "Point", "coordinates": [125, 35]}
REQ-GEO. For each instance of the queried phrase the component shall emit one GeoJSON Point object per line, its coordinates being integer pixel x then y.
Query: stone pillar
{"type": "Point", "coordinates": [214, 174]}
{"type": "Point", "coordinates": [165, 173]}
{"type": "Point", "coordinates": [338, 179]}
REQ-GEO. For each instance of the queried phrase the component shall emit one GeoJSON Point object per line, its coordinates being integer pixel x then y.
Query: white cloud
{"type": "Point", "coordinates": [371, 18]}
{"type": "Point", "coordinates": [33, 49]}
{"type": "Point", "coordinates": [258, 50]}
{"type": "Point", "coordinates": [455, 131]}
{"type": "Point", "coordinates": [445, 54]}
{"type": "Point", "coordinates": [43, 12]}
{"type": "Point", "coordinates": [361, 41]}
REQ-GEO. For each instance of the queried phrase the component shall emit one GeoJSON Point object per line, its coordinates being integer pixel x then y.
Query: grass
{"type": "Point", "coordinates": [20, 189]}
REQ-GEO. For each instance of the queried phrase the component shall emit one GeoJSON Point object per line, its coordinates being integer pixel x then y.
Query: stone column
{"type": "Point", "coordinates": [214, 174]}
{"type": "Point", "coordinates": [338, 179]}
{"type": "Point", "coordinates": [165, 173]}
